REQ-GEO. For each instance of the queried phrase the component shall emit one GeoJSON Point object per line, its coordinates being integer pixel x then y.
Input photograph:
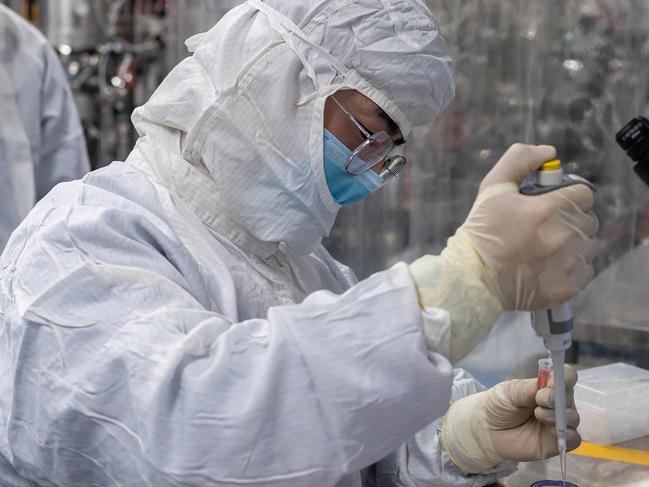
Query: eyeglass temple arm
{"type": "Point", "coordinates": [387, 166]}
{"type": "Point", "coordinates": [356, 122]}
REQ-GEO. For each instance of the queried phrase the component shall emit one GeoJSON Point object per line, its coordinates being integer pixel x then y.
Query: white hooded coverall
{"type": "Point", "coordinates": [41, 139]}
{"type": "Point", "coordinates": [173, 320]}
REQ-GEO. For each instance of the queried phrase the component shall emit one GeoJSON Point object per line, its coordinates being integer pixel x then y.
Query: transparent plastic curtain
{"type": "Point", "coordinates": [569, 73]}
{"type": "Point", "coordinates": [188, 17]}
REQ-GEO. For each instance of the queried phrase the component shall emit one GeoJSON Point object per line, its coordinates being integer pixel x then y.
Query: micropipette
{"type": "Point", "coordinates": [555, 325]}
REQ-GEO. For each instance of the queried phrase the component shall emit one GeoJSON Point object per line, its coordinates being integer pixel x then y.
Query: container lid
{"type": "Point", "coordinates": [551, 483]}
{"type": "Point", "coordinates": [613, 386]}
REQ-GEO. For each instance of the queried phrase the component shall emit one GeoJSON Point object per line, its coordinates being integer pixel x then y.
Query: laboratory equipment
{"type": "Point", "coordinates": [545, 371]}
{"type": "Point", "coordinates": [555, 325]}
{"type": "Point", "coordinates": [613, 401]}
{"type": "Point", "coordinates": [589, 471]}
{"type": "Point", "coordinates": [76, 24]}
{"type": "Point", "coordinates": [552, 483]}
{"type": "Point", "coordinates": [113, 54]}
{"type": "Point", "coordinates": [551, 177]}
{"type": "Point", "coordinates": [634, 139]}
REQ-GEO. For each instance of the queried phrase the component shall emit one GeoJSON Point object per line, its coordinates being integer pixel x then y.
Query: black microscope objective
{"type": "Point", "coordinates": [634, 139]}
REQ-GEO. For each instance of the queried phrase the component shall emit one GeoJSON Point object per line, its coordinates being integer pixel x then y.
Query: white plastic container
{"type": "Point", "coordinates": [613, 401]}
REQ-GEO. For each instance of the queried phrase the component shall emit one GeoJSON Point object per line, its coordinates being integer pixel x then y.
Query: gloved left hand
{"type": "Point", "coordinates": [511, 421]}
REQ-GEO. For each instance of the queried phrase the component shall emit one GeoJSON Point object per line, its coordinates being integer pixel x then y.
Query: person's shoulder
{"type": "Point", "coordinates": [23, 43]}
{"type": "Point", "coordinates": [344, 274]}
{"type": "Point", "coordinates": [118, 186]}
{"type": "Point", "coordinates": [89, 237]}
{"type": "Point", "coordinates": [24, 29]}
{"type": "Point", "coordinates": [117, 202]}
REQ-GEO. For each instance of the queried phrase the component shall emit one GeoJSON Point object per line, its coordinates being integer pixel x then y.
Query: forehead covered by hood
{"type": "Point", "coordinates": [395, 45]}
{"type": "Point", "coordinates": [248, 104]}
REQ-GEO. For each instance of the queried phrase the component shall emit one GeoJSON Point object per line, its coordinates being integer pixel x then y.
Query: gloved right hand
{"type": "Point", "coordinates": [540, 247]}
{"type": "Point", "coordinates": [514, 252]}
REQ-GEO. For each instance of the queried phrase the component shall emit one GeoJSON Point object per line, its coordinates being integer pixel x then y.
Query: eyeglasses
{"type": "Point", "coordinates": [376, 148]}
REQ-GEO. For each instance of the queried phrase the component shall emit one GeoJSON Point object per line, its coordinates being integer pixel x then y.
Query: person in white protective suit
{"type": "Point", "coordinates": [41, 139]}
{"type": "Point", "coordinates": [174, 320]}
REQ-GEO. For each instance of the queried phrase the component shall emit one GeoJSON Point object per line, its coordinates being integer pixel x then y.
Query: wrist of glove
{"type": "Point", "coordinates": [459, 282]}
{"type": "Point", "coordinates": [511, 421]}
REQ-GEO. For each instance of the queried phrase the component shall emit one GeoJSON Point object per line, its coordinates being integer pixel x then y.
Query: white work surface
{"type": "Point", "coordinates": [586, 472]}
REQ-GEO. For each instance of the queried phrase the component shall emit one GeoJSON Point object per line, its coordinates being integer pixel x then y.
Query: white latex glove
{"type": "Point", "coordinates": [511, 421]}
{"type": "Point", "coordinates": [514, 252]}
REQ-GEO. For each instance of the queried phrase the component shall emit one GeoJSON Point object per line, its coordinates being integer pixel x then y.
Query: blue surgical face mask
{"type": "Point", "coordinates": [346, 188]}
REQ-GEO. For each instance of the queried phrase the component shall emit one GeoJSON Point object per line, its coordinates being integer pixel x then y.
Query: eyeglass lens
{"type": "Point", "coordinates": [370, 153]}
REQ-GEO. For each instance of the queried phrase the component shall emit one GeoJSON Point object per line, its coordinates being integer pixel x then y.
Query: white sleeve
{"type": "Point", "coordinates": [423, 462]}
{"type": "Point", "coordinates": [436, 325]}
{"type": "Point", "coordinates": [121, 376]}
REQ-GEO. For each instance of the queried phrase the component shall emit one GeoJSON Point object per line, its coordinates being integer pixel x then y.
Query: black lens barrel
{"type": "Point", "coordinates": [634, 139]}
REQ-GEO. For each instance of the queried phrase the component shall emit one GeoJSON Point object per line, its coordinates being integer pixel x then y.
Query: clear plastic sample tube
{"type": "Point", "coordinates": [545, 370]}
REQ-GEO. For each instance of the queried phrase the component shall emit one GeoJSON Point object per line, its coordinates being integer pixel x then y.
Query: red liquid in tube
{"type": "Point", "coordinates": [545, 370]}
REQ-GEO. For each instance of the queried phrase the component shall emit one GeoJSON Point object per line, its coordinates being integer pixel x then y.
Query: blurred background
{"type": "Point", "coordinates": [565, 72]}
